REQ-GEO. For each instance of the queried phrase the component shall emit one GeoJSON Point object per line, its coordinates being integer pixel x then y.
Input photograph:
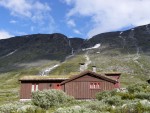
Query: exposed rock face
{"type": "Point", "coordinates": [40, 46]}
{"type": "Point", "coordinates": [133, 40]}
{"type": "Point", "coordinates": [30, 48]}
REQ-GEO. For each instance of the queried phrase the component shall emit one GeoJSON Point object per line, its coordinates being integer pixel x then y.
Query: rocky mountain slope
{"type": "Point", "coordinates": [32, 48]}
{"type": "Point", "coordinates": [130, 41]}
{"type": "Point", "coordinates": [18, 51]}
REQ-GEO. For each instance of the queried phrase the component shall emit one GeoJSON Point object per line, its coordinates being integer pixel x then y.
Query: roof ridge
{"type": "Point", "coordinates": [90, 72]}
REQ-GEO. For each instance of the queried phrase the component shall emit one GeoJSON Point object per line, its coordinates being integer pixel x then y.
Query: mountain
{"type": "Point", "coordinates": [127, 52]}
{"type": "Point", "coordinates": [31, 48]}
{"type": "Point", "coordinates": [127, 41]}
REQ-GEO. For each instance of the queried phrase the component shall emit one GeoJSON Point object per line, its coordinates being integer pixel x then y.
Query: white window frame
{"type": "Point", "coordinates": [34, 87]}
{"type": "Point", "coordinates": [95, 85]}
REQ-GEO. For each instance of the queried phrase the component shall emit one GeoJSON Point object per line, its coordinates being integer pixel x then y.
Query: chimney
{"type": "Point", "coordinates": [94, 68]}
{"type": "Point", "coordinates": [82, 67]}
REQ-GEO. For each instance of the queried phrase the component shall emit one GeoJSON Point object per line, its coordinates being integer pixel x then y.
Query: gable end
{"type": "Point", "coordinates": [92, 74]}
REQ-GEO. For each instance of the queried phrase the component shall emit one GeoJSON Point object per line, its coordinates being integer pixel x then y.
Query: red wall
{"type": "Point", "coordinates": [80, 88]}
{"type": "Point", "coordinates": [26, 93]}
{"type": "Point", "coordinates": [116, 77]}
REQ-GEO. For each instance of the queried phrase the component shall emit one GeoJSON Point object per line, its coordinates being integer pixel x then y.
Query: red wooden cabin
{"type": "Point", "coordinates": [34, 83]}
{"type": "Point", "coordinates": [82, 86]}
{"type": "Point", "coordinates": [87, 84]}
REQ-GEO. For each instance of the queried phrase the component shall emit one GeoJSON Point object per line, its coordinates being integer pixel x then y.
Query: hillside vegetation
{"type": "Point", "coordinates": [135, 99]}
{"type": "Point", "coordinates": [127, 52]}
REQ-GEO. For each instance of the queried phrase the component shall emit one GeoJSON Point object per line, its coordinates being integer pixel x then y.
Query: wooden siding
{"type": "Point", "coordinates": [116, 77]}
{"type": "Point", "coordinates": [26, 93]}
{"type": "Point", "coordinates": [87, 78]}
{"type": "Point", "coordinates": [80, 88]}
{"type": "Point", "coordinates": [49, 85]}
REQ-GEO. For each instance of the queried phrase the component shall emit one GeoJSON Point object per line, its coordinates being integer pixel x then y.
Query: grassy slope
{"type": "Point", "coordinates": [70, 66]}
{"type": "Point", "coordinates": [9, 84]}
{"type": "Point", "coordinates": [131, 71]}
{"type": "Point", "coordinates": [112, 61]}
{"type": "Point", "coordinates": [134, 68]}
{"type": "Point", "coordinates": [9, 87]}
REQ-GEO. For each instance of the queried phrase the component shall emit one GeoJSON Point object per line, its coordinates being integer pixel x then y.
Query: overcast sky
{"type": "Point", "coordinates": [73, 18]}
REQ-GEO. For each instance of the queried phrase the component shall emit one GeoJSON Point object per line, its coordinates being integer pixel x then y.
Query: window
{"type": "Point", "coordinates": [34, 87]}
{"type": "Point", "coordinates": [94, 85]}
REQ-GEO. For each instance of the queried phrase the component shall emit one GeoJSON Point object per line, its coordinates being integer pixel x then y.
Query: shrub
{"type": "Point", "coordinates": [98, 106]}
{"type": "Point", "coordinates": [37, 110]}
{"type": "Point", "coordinates": [28, 109]}
{"type": "Point", "coordinates": [49, 98]}
{"type": "Point", "coordinates": [114, 100]}
{"type": "Point", "coordinates": [102, 95]}
{"type": "Point", "coordinates": [127, 96]}
{"type": "Point", "coordinates": [20, 107]}
{"type": "Point", "coordinates": [137, 88]}
{"type": "Point", "coordinates": [75, 109]}
{"type": "Point", "coordinates": [113, 92]}
{"type": "Point", "coordinates": [143, 95]}
{"type": "Point", "coordinates": [11, 107]}
{"type": "Point", "coordinates": [133, 108]}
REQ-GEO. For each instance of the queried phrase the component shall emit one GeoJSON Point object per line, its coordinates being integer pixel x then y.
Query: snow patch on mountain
{"type": "Point", "coordinates": [11, 53]}
{"type": "Point", "coordinates": [46, 71]}
{"type": "Point", "coordinates": [121, 33]}
{"type": "Point", "coordinates": [94, 47]}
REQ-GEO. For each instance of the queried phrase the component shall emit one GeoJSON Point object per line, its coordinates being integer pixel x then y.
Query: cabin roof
{"type": "Point", "coordinates": [102, 76]}
{"type": "Point", "coordinates": [70, 77]}
{"type": "Point", "coordinates": [35, 77]}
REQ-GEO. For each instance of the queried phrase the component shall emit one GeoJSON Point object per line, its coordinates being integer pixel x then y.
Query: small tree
{"type": "Point", "coordinates": [49, 98]}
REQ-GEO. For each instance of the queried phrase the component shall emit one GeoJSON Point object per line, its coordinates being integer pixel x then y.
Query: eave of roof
{"type": "Point", "coordinates": [43, 78]}
{"type": "Point", "coordinates": [102, 76]}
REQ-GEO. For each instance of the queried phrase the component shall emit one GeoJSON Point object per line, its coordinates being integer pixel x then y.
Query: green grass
{"type": "Point", "coordinates": [132, 72]}
{"type": "Point", "coordinates": [126, 80]}
{"type": "Point", "coordinates": [9, 87]}
{"type": "Point", "coordinates": [70, 66]}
